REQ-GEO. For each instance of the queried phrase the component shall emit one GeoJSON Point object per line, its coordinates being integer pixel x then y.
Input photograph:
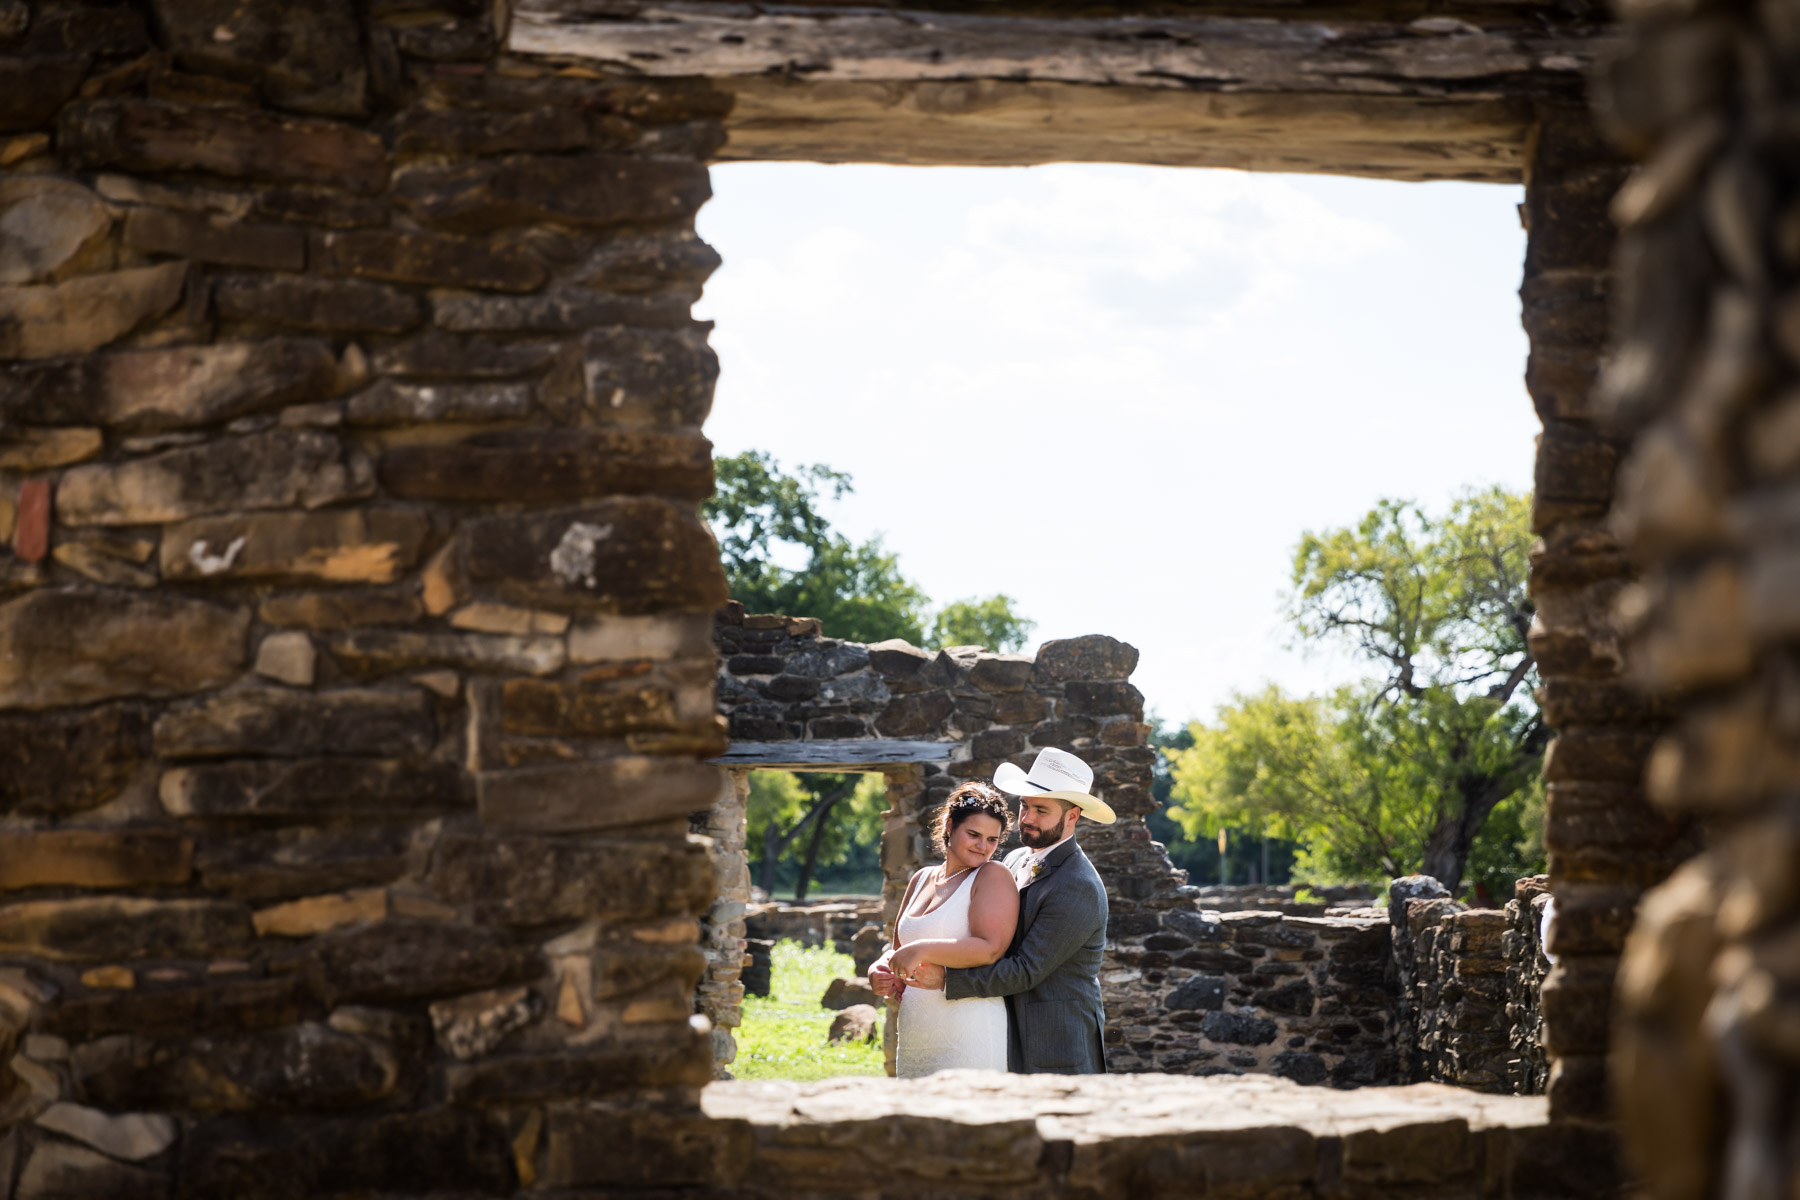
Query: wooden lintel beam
{"type": "Point", "coordinates": [1430, 56]}
{"type": "Point", "coordinates": [1438, 97]}
{"type": "Point", "coordinates": [846, 755]}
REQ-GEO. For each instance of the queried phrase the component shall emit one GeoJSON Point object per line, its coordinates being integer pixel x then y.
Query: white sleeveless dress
{"type": "Point", "coordinates": [936, 1034]}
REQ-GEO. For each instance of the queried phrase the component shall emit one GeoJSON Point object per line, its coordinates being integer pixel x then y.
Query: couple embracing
{"type": "Point", "coordinates": [996, 965]}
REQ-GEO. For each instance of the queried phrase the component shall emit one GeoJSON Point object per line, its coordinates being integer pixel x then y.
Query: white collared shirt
{"type": "Point", "coordinates": [1027, 866]}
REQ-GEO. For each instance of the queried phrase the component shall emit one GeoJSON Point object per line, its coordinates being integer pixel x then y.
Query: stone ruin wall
{"type": "Point", "coordinates": [408, 315]}
{"type": "Point", "coordinates": [355, 610]}
{"type": "Point", "coordinates": [1190, 988]}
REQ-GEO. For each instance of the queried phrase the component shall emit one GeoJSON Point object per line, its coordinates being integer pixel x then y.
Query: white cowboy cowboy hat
{"type": "Point", "coordinates": [1059, 775]}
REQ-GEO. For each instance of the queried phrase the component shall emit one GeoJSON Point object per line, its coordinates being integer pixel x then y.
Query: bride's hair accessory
{"type": "Point", "coordinates": [966, 801]}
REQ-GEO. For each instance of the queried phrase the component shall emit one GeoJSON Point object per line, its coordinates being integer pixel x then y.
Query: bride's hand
{"type": "Point", "coordinates": [906, 960]}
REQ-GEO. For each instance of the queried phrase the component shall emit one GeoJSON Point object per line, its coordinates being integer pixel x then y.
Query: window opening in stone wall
{"type": "Point", "coordinates": [1107, 398]}
{"type": "Point", "coordinates": [813, 840]}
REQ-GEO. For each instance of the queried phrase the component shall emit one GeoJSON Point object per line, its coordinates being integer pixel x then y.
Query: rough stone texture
{"type": "Point", "coordinates": [976, 1133]}
{"type": "Point", "coordinates": [1699, 389]}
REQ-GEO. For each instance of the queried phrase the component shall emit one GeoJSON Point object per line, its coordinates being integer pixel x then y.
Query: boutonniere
{"type": "Point", "coordinates": [1037, 868]}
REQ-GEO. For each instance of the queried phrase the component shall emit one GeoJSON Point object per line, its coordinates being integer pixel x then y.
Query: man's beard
{"type": "Point", "coordinates": [1042, 839]}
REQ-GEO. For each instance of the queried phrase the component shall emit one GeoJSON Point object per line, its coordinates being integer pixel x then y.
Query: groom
{"type": "Point", "coordinates": [1050, 974]}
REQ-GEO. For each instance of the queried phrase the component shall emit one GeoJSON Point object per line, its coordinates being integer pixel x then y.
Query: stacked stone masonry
{"type": "Point", "coordinates": [1702, 390]}
{"type": "Point", "coordinates": [1605, 842]}
{"type": "Point", "coordinates": [355, 668]}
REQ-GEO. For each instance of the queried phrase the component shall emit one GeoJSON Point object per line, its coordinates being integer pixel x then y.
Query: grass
{"type": "Point", "coordinates": [783, 1034]}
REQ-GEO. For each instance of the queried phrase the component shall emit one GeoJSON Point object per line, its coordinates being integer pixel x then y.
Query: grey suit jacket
{"type": "Point", "coordinates": [1050, 975]}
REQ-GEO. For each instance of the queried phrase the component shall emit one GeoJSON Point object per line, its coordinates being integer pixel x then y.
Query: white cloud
{"type": "Point", "coordinates": [1162, 375]}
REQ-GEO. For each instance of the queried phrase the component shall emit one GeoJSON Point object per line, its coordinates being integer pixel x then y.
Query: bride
{"type": "Point", "coordinates": [960, 914]}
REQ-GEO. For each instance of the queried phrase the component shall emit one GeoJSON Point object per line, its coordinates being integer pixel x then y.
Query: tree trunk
{"type": "Point", "coordinates": [772, 843]}
{"type": "Point", "coordinates": [812, 847]}
{"type": "Point", "coordinates": [1447, 849]}
{"type": "Point", "coordinates": [1265, 859]}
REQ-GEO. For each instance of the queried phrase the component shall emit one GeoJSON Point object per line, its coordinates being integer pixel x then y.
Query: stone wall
{"type": "Point", "coordinates": [1704, 387]}
{"type": "Point", "coordinates": [1200, 992]}
{"type": "Point", "coordinates": [1605, 842]}
{"type": "Point", "coordinates": [355, 661]}
{"type": "Point", "coordinates": [719, 996]}
{"type": "Point", "coordinates": [1526, 969]}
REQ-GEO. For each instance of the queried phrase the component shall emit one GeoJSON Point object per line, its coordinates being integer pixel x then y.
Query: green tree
{"type": "Point", "coordinates": [781, 555]}
{"type": "Point", "coordinates": [989, 623]}
{"type": "Point", "coordinates": [1402, 772]}
{"type": "Point", "coordinates": [762, 515]}
{"type": "Point", "coordinates": [810, 821]}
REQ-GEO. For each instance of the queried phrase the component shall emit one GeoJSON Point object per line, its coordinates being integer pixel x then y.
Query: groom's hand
{"type": "Point", "coordinates": [928, 975]}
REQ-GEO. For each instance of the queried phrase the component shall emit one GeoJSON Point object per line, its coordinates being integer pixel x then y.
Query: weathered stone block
{"type": "Point", "coordinates": [43, 449]}
{"type": "Point", "coordinates": [546, 130]}
{"type": "Point", "coordinates": [1002, 672]}
{"type": "Point", "coordinates": [216, 240]}
{"type": "Point", "coordinates": [1577, 1005]}
{"type": "Point", "coordinates": [657, 637]}
{"type": "Point", "coordinates": [311, 1066]}
{"type": "Point", "coordinates": [144, 136]}
{"type": "Point", "coordinates": [602, 708]}
{"type": "Point", "coordinates": [56, 1170]}
{"type": "Point", "coordinates": [391, 403]}
{"type": "Point", "coordinates": [279, 722]}
{"type": "Point", "coordinates": [606, 794]}
{"type": "Point", "coordinates": [33, 89]}
{"type": "Point", "coordinates": [1239, 1028]}
{"type": "Point", "coordinates": [275, 864]}
{"type": "Point", "coordinates": [442, 1150]}
{"type": "Point", "coordinates": [432, 259]}
{"type": "Point", "coordinates": [590, 189]}
{"type": "Point", "coordinates": [149, 390]}
{"type": "Point", "coordinates": [279, 469]}
{"type": "Point", "coordinates": [358, 546]}
{"type": "Point", "coordinates": [86, 312]}
{"type": "Point", "coordinates": [69, 762]}
{"type": "Point", "coordinates": [641, 1149]}
{"type": "Point", "coordinates": [552, 467]}
{"type": "Point", "coordinates": [75, 647]}
{"type": "Point", "coordinates": [309, 60]}
{"type": "Point", "coordinates": [437, 355]}
{"type": "Point", "coordinates": [343, 608]}
{"type": "Point", "coordinates": [1104, 699]}
{"type": "Point", "coordinates": [1095, 657]}
{"type": "Point", "coordinates": [102, 928]}
{"type": "Point", "coordinates": [309, 789]}
{"type": "Point", "coordinates": [47, 226]}
{"type": "Point", "coordinates": [590, 1071]}
{"type": "Point", "coordinates": [288, 658]}
{"type": "Point", "coordinates": [313, 915]}
{"type": "Point", "coordinates": [331, 305]}
{"type": "Point", "coordinates": [370, 652]}
{"type": "Point", "coordinates": [1200, 992]}
{"type": "Point", "coordinates": [628, 555]}
{"type": "Point", "coordinates": [217, 1005]}
{"type": "Point", "coordinates": [398, 962]}
{"type": "Point", "coordinates": [912, 716]}
{"type": "Point", "coordinates": [524, 879]}
{"type": "Point", "coordinates": [132, 1137]}
{"type": "Point", "coordinates": [646, 376]}
{"type": "Point", "coordinates": [93, 858]}
{"type": "Point", "coordinates": [471, 1026]}
{"type": "Point", "coordinates": [649, 262]}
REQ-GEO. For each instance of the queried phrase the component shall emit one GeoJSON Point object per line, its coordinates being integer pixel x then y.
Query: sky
{"type": "Point", "coordinates": [1121, 394]}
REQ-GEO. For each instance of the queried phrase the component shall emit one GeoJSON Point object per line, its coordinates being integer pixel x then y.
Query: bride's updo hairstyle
{"type": "Point", "coordinates": [966, 801]}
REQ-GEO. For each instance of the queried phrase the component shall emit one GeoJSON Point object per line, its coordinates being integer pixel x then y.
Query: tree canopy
{"type": "Point", "coordinates": [782, 555]}
{"type": "Point", "coordinates": [814, 821]}
{"type": "Point", "coordinates": [1402, 771]}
